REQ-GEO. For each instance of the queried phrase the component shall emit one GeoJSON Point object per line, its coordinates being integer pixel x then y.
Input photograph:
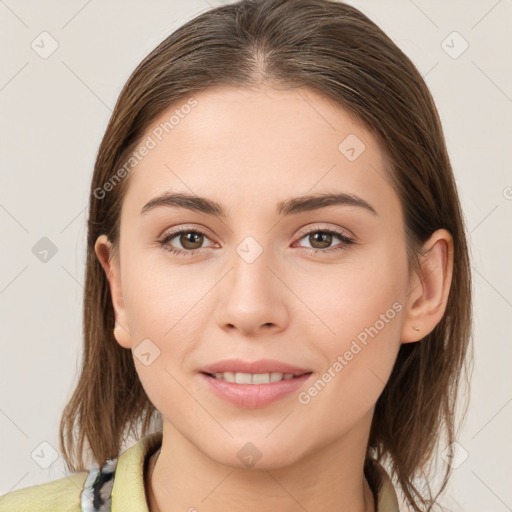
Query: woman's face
{"type": "Point", "coordinates": [268, 279]}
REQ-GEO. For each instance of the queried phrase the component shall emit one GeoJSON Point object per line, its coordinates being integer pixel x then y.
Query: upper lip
{"type": "Point", "coordinates": [260, 366]}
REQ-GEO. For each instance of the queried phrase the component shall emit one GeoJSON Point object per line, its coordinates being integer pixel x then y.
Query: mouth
{"type": "Point", "coordinates": [253, 384]}
{"type": "Point", "coordinates": [254, 390]}
{"type": "Point", "coordinates": [254, 378]}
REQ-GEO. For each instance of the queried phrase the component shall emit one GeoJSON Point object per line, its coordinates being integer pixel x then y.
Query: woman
{"type": "Point", "coordinates": [277, 275]}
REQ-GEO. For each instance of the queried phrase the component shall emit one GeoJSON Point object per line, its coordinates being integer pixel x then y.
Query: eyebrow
{"type": "Point", "coordinates": [284, 208]}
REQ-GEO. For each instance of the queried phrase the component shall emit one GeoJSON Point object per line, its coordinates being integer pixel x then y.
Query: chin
{"type": "Point", "coordinates": [255, 452]}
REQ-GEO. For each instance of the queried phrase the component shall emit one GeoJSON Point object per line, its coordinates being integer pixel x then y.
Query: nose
{"type": "Point", "coordinates": [252, 297]}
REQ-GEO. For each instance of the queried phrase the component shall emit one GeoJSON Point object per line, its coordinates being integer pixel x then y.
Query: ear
{"type": "Point", "coordinates": [428, 292]}
{"type": "Point", "coordinates": [110, 264]}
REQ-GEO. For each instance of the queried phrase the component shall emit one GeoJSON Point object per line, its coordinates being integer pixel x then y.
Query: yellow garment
{"type": "Point", "coordinates": [128, 493]}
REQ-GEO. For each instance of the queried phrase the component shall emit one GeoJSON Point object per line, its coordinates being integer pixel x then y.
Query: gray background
{"type": "Point", "coordinates": [54, 111]}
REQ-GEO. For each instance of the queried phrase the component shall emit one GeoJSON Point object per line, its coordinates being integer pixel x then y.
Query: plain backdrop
{"type": "Point", "coordinates": [53, 113]}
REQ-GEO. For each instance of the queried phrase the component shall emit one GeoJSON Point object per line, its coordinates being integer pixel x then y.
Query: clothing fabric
{"type": "Point", "coordinates": [118, 486]}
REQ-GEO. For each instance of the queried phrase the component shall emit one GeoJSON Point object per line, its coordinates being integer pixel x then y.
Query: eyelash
{"type": "Point", "coordinates": [181, 252]}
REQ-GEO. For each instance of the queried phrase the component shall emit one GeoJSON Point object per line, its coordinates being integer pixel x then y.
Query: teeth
{"type": "Point", "coordinates": [253, 378]}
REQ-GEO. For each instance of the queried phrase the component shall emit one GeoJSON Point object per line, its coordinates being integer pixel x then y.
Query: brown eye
{"type": "Point", "coordinates": [191, 240]}
{"type": "Point", "coordinates": [320, 240]}
{"type": "Point", "coordinates": [185, 242]}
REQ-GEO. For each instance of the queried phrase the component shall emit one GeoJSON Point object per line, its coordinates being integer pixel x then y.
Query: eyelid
{"type": "Point", "coordinates": [322, 227]}
{"type": "Point", "coordinates": [182, 227]}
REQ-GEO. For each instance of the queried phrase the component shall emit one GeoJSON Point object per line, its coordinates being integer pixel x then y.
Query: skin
{"type": "Point", "coordinates": [248, 150]}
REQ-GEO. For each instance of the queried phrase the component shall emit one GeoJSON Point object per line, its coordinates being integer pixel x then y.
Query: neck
{"type": "Point", "coordinates": [181, 477]}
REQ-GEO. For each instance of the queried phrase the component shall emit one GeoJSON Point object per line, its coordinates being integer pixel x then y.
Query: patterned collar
{"type": "Point", "coordinates": [97, 490]}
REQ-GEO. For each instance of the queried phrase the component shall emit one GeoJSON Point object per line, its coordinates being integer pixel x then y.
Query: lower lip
{"type": "Point", "coordinates": [253, 396]}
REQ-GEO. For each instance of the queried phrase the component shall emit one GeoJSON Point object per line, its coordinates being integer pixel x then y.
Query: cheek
{"type": "Point", "coordinates": [164, 312]}
{"type": "Point", "coordinates": [165, 307]}
{"type": "Point", "coordinates": [358, 361]}
{"type": "Point", "coordinates": [363, 310]}
{"type": "Point", "coordinates": [162, 300]}
{"type": "Point", "coordinates": [347, 299]}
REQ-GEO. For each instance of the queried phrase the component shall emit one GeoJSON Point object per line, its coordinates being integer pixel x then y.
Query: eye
{"type": "Point", "coordinates": [320, 240]}
{"type": "Point", "coordinates": [191, 241]}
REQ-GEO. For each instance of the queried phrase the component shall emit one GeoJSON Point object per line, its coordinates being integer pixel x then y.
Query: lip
{"type": "Point", "coordinates": [260, 366]}
{"type": "Point", "coordinates": [253, 396]}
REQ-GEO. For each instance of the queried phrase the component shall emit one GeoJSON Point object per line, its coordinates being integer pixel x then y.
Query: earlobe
{"type": "Point", "coordinates": [103, 249]}
{"type": "Point", "coordinates": [429, 291]}
{"type": "Point", "coordinates": [122, 336]}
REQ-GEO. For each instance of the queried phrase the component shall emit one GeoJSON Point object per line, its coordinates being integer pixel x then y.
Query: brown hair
{"type": "Point", "coordinates": [335, 50]}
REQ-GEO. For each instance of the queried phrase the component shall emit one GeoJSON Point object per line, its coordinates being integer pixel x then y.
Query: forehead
{"type": "Point", "coordinates": [254, 145]}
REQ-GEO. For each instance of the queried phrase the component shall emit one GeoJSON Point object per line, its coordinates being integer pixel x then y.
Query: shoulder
{"type": "Point", "coordinates": [61, 495]}
{"type": "Point", "coordinates": [121, 479]}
